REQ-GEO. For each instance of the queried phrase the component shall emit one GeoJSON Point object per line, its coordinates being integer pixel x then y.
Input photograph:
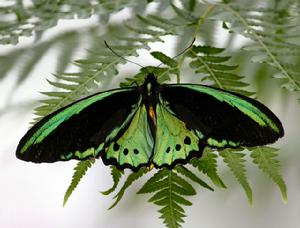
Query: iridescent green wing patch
{"type": "Point", "coordinates": [133, 148]}
{"type": "Point", "coordinates": [174, 142]}
{"type": "Point", "coordinates": [226, 119]}
{"type": "Point", "coordinates": [79, 130]}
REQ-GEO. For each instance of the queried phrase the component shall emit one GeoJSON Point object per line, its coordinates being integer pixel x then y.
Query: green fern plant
{"type": "Point", "coordinates": [270, 41]}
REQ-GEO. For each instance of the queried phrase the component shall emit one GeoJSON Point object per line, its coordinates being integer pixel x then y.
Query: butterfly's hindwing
{"type": "Point", "coordinates": [134, 146]}
{"type": "Point", "coordinates": [79, 130]}
{"type": "Point", "coordinates": [174, 142]}
{"type": "Point", "coordinates": [226, 119]}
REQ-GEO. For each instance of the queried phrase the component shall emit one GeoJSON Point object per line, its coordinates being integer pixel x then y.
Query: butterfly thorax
{"type": "Point", "coordinates": [150, 93]}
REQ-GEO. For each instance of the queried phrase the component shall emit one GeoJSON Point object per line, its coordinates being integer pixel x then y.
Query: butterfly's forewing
{"type": "Point", "coordinates": [224, 118]}
{"type": "Point", "coordinates": [81, 129]}
{"type": "Point", "coordinates": [174, 142]}
{"type": "Point", "coordinates": [134, 146]}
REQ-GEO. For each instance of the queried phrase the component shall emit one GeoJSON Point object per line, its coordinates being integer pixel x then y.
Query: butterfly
{"type": "Point", "coordinates": [151, 124]}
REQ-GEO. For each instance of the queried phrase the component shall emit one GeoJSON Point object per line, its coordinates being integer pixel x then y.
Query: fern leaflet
{"type": "Point", "coordinates": [130, 179]}
{"type": "Point", "coordinates": [80, 171]}
{"type": "Point", "coordinates": [116, 175]}
{"type": "Point", "coordinates": [234, 160]}
{"type": "Point", "coordinates": [208, 165]}
{"type": "Point", "coordinates": [264, 157]}
{"type": "Point", "coordinates": [187, 173]}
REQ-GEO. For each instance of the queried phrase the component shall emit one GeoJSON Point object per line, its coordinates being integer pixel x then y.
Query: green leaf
{"type": "Point", "coordinates": [182, 187]}
{"type": "Point", "coordinates": [154, 182]}
{"type": "Point", "coordinates": [189, 5]}
{"type": "Point", "coordinates": [264, 157]}
{"type": "Point", "coordinates": [184, 171]}
{"type": "Point", "coordinates": [116, 175]}
{"type": "Point", "coordinates": [208, 50]}
{"type": "Point", "coordinates": [234, 160]}
{"type": "Point", "coordinates": [80, 171]}
{"type": "Point", "coordinates": [183, 13]}
{"type": "Point", "coordinates": [154, 21]}
{"type": "Point", "coordinates": [129, 181]}
{"type": "Point", "coordinates": [208, 165]}
{"type": "Point", "coordinates": [164, 58]}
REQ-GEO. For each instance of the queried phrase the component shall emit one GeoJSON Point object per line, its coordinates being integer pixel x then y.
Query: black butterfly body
{"type": "Point", "coordinates": [160, 124]}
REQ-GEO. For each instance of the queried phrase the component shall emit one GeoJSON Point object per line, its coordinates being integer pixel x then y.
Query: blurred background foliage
{"type": "Point", "coordinates": [267, 26]}
{"type": "Point", "coordinates": [262, 37]}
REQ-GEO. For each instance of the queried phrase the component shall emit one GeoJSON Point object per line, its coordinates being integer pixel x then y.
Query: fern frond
{"type": "Point", "coordinates": [208, 165]}
{"type": "Point", "coordinates": [234, 160]}
{"type": "Point", "coordinates": [129, 181]}
{"type": "Point", "coordinates": [264, 158]}
{"type": "Point", "coordinates": [170, 191]}
{"type": "Point", "coordinates": [116, 175]}
{"type": "Point", "coordinates": [273, 33]}
{"type": "Point", "coordinates": [80, 171]}
{"type": "Point", "coordinates": [213, 67]}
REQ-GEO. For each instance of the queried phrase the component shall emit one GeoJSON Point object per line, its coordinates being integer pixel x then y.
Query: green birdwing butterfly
{"type": "Point", "coordinates": [159, 124]}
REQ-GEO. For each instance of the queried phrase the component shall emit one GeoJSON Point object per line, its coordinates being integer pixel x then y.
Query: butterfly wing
{"type": "Point", "coordinates": [224, 119]}
{"type": "Point", "coordinates": [81, 129]}
{"type": "Point", "coordinates": [134, 146]}
{"type": "Point", "coordinates": [174, 141]}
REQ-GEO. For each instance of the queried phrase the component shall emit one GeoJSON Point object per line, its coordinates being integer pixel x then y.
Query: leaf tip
{"type": "Point", "coordinates": [284, 198]}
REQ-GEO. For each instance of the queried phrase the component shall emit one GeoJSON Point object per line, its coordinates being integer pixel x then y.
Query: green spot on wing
{"type": "Point", "coordinates": [89, 152]}
{"type": "Point", "coordinates": [223, 143]}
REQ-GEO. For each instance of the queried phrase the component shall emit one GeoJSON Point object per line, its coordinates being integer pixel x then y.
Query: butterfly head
{"type": "Point", "coordinates": [150, 83]}
{"type": "Point", "coordinates": [150, 78]}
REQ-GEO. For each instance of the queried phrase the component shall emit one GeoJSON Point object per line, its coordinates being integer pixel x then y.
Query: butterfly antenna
{"type": "Point", "coordinates": [106, 44]}
{"type": "Point", "coordinates": [183, 51]}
